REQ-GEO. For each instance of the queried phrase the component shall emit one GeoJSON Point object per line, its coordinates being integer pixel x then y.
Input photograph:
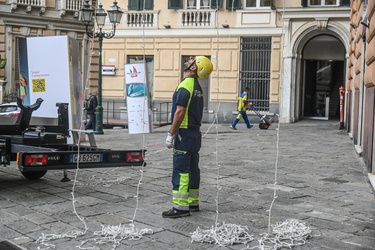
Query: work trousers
{"type": "Point", "coordinates": [241, 114]}
{"type": "Point", "coordinates": [186, 172]}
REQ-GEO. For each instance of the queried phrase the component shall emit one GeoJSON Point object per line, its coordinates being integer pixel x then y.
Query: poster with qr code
{"type": "Point", "coordinates": [55, 79]}
{"type": "Point", "coordinates": [39, 85]}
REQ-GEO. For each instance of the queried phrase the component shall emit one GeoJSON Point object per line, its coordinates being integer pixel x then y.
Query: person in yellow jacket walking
{"type": "Point", "coordinates": [184, 137]}
{"type": "Point", "coordinates": [242, 104]}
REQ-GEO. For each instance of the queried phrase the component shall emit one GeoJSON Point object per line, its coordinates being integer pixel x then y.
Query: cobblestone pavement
{"type": "Point", "coordinates": [320, 181]}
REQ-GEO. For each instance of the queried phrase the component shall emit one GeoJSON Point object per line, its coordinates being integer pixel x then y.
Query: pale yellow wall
{"type": "Point", "coordinates": [51, 3]}
{"type": "Point", "coordinates": [224, 51]}
{"type": "Point", "coordinates": [167, 54]}
{"type": "Point", "coordinates": [276, 60]}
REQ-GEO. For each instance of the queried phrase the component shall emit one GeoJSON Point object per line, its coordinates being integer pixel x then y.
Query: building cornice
{"type": "Point", "coordinates": [43, 23]}
{"type": "Point", "coordinates": [313, 13]}
{"type": "Point", "coordinates": [204, 32]}
{"type": "Point", "coordinates": [25, 24]}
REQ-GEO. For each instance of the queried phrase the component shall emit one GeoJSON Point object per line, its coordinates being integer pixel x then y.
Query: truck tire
{"type": "Point", "coordinates": [34, 175]}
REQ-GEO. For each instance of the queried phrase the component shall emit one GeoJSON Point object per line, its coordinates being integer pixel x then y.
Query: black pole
{"type": "Point", "coordinates": [99, 108]}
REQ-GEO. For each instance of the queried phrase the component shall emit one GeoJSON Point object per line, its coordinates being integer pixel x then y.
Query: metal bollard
{"type": "Point", "coordinates": [342, 101]}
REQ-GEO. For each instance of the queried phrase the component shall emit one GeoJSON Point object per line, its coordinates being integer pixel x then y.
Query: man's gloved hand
{"type": "Point", "coordinates": [170, 140]}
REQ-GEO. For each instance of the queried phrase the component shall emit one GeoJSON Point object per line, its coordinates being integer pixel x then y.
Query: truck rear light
{"type": "Point", "coordinates": [36, 160]}
{"type": "Point", "coordinates": [134, 157]}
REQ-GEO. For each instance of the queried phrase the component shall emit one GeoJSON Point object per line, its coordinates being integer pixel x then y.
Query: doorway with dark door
{"type": "Point", "coordinates": [321, 89]}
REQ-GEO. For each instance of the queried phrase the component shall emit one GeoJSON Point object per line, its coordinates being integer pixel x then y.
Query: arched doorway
{"type": "Point", "coordinates": [319, 41]}
{"type": "Point", "coordinates": [323, 65]}
{"type": "Point", "coordinates": [323, 72]}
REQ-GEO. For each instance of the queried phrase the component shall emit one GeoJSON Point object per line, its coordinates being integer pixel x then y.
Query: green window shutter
{"type": "Point", "coordinates": [133, 5]}
{"type": "Point", "coordinates": [175, 4]}
{"type": "Point", "coordinates": [345, 2]}
{"type": "Point", "coordinates": [218, 2]}
{"type": "Point", "coordinates": [149, 4]}
{"type": "Point", "coordinates": [304, 3]}
{"type": "Point", "coordinates": [233, 4]}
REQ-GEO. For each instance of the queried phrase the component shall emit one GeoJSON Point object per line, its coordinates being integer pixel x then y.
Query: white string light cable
{"type": "Point", "coordinates": [105, 179]}
{"type": "Point", "coordinates": [116, 234]}
{"type": "Point", "coordinates": [73, 233]}
{"type": "Point", "coordinates": [291, 232]}
{"type": "Point", "coordinates": [221, 234]}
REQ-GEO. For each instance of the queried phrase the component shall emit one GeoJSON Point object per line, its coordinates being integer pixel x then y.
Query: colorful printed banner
{"type": "Point", "coordinates": [137, 98]}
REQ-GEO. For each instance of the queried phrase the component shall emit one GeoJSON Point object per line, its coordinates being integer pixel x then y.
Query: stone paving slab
{"type": "Point", "coordinates": [319, 180]}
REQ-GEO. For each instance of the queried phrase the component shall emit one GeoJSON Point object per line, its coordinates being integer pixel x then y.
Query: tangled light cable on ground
{"type": "Point", "coordinates": [222, 235]}
{"type": "Point", "coordinates": [288, 234]}
{"type": "Point", "coordinates": [115, 235]}
{"type": "Point", "coordinates": [49, 237]}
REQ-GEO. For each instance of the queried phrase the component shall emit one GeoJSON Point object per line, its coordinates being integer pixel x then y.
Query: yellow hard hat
{"type": "Point", "coordinates": [204, 65]}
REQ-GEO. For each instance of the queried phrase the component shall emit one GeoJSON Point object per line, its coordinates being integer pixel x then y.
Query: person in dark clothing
{"type": "Point", "coordinates": [184, 137]}
{"type": "Point", "coordinates": [90, 110]}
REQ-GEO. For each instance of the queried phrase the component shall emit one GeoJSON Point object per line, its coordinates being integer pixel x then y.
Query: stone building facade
{"type": "Point", "coordinates": [292, 54]}
{"type": "Point", "coordinates": [360, 91]}
{"type": "Point", "coordinates": [36, 18]}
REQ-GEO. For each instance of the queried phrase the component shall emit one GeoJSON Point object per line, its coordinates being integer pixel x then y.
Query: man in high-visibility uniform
{"type": "Point", "coordinates": [184, 137]}
{"type": "Point", "coordinates": [241, 108]}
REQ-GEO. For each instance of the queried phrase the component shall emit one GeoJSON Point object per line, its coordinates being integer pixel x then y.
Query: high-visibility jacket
{"type": "Point", "coordinates": [242, 100]}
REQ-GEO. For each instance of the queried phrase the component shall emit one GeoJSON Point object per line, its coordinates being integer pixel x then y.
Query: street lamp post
{"type": "Point", "coordinates": [86, 14]}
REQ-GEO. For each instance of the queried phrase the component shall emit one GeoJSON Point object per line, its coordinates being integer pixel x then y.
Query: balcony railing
{"type": "Point", "coordinates": [200, 17]}
{"type": "Point", "coordinates": [70, 5]}
{"type": "Point", "coordinates": [41, 4]}
{"type": "Point", "coordinates": [141, 18]}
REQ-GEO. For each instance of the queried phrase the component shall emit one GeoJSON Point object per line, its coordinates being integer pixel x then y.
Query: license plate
{"type": "Point", "coordinates": [86, 158]}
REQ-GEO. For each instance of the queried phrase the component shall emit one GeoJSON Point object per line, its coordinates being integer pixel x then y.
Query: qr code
{"type": "Point", "coordinates": [39, 85]}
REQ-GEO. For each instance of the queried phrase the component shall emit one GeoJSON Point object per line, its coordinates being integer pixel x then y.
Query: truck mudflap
{"type": "Point", "coordinates": [47, 160]}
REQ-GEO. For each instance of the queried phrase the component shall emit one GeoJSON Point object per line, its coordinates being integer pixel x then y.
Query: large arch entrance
{"type": "Point", "coordinates": [314, 62]}
{"type": "Point", "coordinates": [323, 72]}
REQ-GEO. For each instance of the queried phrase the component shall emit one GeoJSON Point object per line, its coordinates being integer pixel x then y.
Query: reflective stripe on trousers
{"type": "Point", "coordinates": [186, 172]}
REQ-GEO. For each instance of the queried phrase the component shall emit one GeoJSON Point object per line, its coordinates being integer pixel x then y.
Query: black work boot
{"type": "Point", "coordinates": [172, 213]}
{"type": "Point", "coordinates": [194, 208]}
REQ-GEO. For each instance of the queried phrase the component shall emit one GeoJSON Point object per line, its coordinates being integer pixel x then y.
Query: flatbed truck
{"type": "Point", "coordinates": [39, 148]}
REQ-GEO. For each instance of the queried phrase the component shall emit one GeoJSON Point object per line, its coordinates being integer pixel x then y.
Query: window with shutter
{"type": "Point", "coordinates": [345, 2]}
{"type": "Point", "coordinates": [149, 4]}
{"type": "Point", "coordinates": [198, 4]}
{"type": "Point", "coordinates": [233, 4]}
{"type": "Point", "coordinates": [175, 4]}
{"type": "Point", "coordinates": [133, 5]}
{"type": "Point", "coordinates": [138, 4]}
{"type": "Point", "coordinates": [216, 4]}
{"type": "Point", "coordinates": [304, 3]}
{"type": "Point", "coordinates": [323, 2]}
{"type": "Point", "coordinates": [257, 3]}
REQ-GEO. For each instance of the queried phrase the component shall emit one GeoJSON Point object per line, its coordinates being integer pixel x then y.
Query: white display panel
{"type": "Point", "coordinates": [137, 98]}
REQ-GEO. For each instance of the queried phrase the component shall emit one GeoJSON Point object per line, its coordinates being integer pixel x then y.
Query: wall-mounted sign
{"type": "Point", "coordinates": [109, 70]}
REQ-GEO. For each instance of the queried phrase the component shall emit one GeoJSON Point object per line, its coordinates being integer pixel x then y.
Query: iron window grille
{"type": "Point", "coordinates": [255, 70]}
